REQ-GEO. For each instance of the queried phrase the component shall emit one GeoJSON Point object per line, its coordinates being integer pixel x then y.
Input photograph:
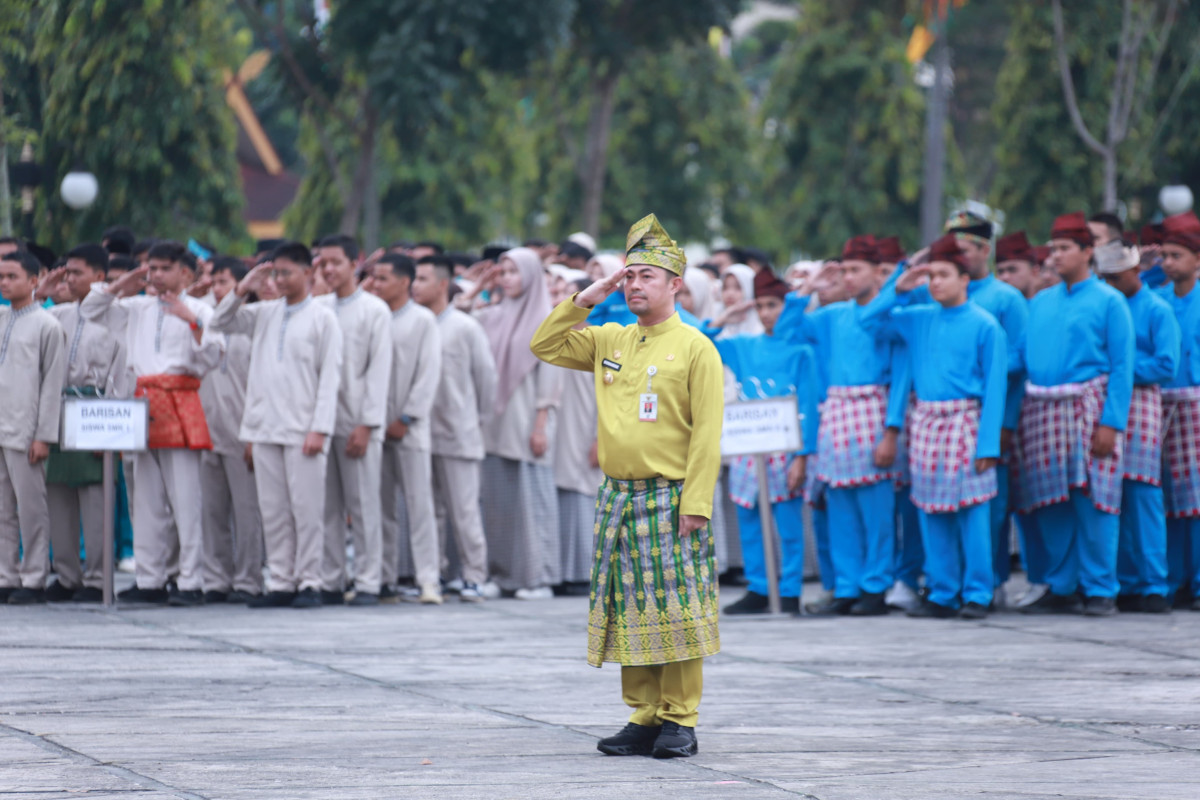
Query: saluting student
{"type": "Point", "coordinates": [74, 479]}
{"type": "Point", "coordinates": [168, 349]}
{"type": "Point", "coordinates": [1142, 546]}
{"type": "Point", "coordinates": [289, 417]}
{"type": "Point", "coordinates": [461, 407]}
{"type": "Point", "coordinates": [1079, 353]}
{"type": "Point", "coordinates": [407, 458]}
{"type": "Point", "coordinates": [356, 455]}
{"type": "Point", "coordinates": [32, 365]}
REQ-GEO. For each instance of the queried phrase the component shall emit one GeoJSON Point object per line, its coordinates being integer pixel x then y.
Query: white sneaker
{"type": "Point", "coordinates": [540, 593]}
{"type": "Point", "coordinates": [127, 564]}
{"type": "Point", "coordinates": [455, 586]}
{"type": "Point", "coordinates": [409, 594]}
{"type": "Point", "coordinates": [470, 593]}
{"type": "Point", "coordinates": [1036, 592]}
{"type": "Point", "coordinates": [902, 596]}
{"type": "Point", "coordinates": [430, 595]}
{"type": "Point", "coordinates": [490, 590]}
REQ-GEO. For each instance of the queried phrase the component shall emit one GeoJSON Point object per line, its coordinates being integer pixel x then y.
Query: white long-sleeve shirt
{"type": "Point", "coordinates": [365, 321]}
{"type": "Point", "coordinates": [93, 354]}
{"type": "Point", "coordinates": [33, 361]}
{"type": "Point", "coordinates": [223, 395]}
{"type": "Point", "coordinates": [155, 341]}
{"type": "Point", "coordinates": [295, 367]}
{"type": "Point", "coordinates": [467, 388]}
{"type": "Point", "coordinates": [416, 371]}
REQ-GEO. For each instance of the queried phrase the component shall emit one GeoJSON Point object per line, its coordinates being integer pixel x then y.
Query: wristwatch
{"type": "Point", "coordinates": [407, 420]}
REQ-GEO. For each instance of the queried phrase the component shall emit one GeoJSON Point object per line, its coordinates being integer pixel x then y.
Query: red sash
{"type": "Point", "coordinates": [176, 417]}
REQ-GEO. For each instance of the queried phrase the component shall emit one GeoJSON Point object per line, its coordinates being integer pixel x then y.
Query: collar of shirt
{"type": "Point", "coordinates": [445, 312]}
{"type": "Point", "coordinates": [350, 298]}
{"type": "Point", "coordinates": [1086, 283]}
{"type": "Point", "coordinates": [402, 308]}
{"type": "Point", "coordinates": [666, 326]}
{"type": "Point", "coordinates": [292, 309]}
{"type": "Point", "coordinates": [29, 309]}
{"type": "Point", "coordinates": [982, 283]}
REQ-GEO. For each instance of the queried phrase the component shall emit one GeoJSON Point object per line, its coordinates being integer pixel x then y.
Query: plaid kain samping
{"type": "Point", "coordinates": [852, 423]}
{"type": "Point", "coordinates": [1142, 460]}
{"type": "Point", "coordinates": [1181, 452]}
{"type": "Point", "coordinates": [943, 439]}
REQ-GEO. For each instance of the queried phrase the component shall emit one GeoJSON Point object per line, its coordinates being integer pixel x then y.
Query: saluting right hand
{"type": "Point", "coordinates": [600, 290]}
{"type": "Point", "coordinates": [912, 278]}
{"type": "Point", "coordinates": [130, 283]}
{"type": "Point", "coordinates": [253, 280]}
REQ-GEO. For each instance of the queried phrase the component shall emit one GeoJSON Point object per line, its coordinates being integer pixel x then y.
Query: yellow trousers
{"type": "Point", "coordinates": [664, 692]}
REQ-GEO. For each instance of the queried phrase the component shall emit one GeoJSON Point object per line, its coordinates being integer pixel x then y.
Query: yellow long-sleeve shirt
{"type": "Point", "coordinates": [684, 444]}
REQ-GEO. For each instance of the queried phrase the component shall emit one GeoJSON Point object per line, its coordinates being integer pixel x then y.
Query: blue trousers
{"type": "Point", "coordinates": [1142, 544]}
{"type": "Point", "coordinates": [789, 521]}
{"type": "Point", "coordinates": [910, 552]}
{"type": "Point", "coordinates": [958, 556]}
{"type": "Point", "coordinates": [998, 520]}
{"type": "Point", "coordinates": [1081, 546]}
{"type": "Point", "coordinates": [1183, 555]}
{"type": "Point", "coordinates": [1033, 549]}
{"type": "Point", "coordinates": [820, 518]}
{"type": "Point", "coordinates": [862, 538]}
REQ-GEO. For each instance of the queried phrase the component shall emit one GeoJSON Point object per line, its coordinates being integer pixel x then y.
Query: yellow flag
{"type": "Point", "coordinates": [920, 42]}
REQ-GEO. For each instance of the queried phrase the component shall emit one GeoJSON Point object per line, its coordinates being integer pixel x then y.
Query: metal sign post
{"type": "Point", "coordinates": [97, 424]}
{"type": "Point", "coordinates": [762, 428]}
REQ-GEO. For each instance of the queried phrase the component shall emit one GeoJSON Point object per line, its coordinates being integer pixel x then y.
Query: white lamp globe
{"type": "Point", "coordinates": [1175, 199]}
{"type": "Point", "coordinates": [79, 189]}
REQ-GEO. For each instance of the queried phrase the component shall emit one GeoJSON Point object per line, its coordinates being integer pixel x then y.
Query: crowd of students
{"type": "Point", "coordinates": [374, 427]}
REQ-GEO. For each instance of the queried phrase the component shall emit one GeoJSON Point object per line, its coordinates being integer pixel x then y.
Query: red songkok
{"type": "Point", "coordinates": [890, 250]}
{"type": "Point", "coordinates": [1014, 247]}
{"type": "Point", "coordinates": [1151, 234]}
{"type": "Point", "coordinates": [947, 249]}
{"type": "Point", "coordinates": [1041, 253]}
{"type": "Point", "coordinates": [861, 248]}
{"type": "Point", "coordinates": [1073, 227]}
{"type": "Point", "coordinates": [1183, 230]}
{"type": "Point", "coordinates": [767, 284]}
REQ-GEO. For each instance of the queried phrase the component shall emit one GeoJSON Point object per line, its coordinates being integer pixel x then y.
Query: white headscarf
{"type": "Point", "coordinates": [700, 284]}
{"type": "Point", "coordinates": [749, 325]}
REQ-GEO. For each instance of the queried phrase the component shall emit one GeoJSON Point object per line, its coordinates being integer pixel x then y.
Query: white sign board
{"type": "Point", "coordinates": [95, 423]}
{"type": "Point", "coordinates": [761, 426]}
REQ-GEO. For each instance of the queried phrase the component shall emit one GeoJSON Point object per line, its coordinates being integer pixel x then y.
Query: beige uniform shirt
{"type": "Point", "coordinates": [576, 434]}
{"type": "Point", "coordinates": [365, 321]}
{"type": "Point", "coordinates": [223, 395]}
{"type": "Point", "coordinates": [416, 370]}
{"type": "Point", "coordinates": [466, 390]}
{"type": "Point", "coordinates": [33, 361]}
{"type": "Point", "coordinates": [155, 342]}
{"type": "Point", "coordinates": [93, 353]}
{"type": "Point", "coordinates": [295, 367]}
{"type": "Point", "coordinates": [508, 433]}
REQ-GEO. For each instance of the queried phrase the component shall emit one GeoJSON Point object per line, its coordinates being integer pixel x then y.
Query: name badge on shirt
{"type": "Point", "coordinates": [648, 408]}
{"type": "Point", "coordinates": [614, 366]}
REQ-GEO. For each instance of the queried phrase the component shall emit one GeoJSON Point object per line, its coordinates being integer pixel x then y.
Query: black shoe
{"type": "Point", "coordinates": [1129, 602]}
{"type": "Point", "coordinates": [364, 599]}
{"type": "Point", "coordinates": [57, 592]}
{"type": "Point", "coordinates": [1154, 604]}
{"type": "Point", "coordinates": [1195, 606]}
{"type": "Point", "coordinates": [271, 600]}
{"type": "Point", "coordinates": [238, 597]}
{"type": "Point", "coordinates": [185, 598]}
{"type": "Point", "coordinates": [88, 594]}
{"type": "Point", "coordinates": [388, 595]}
{"type": "Point", "coordinates": [330, 598]}
{"type": "Point", "coordinates": [751, 603]}
{"type": "Point", "coordinates": [834, 607]}
{"type": "Point", "coordinates": [311, 598]}
{"type": "Point", "coordinates": [931, 610]}
{"type": "Point", "coordinates": [1100, 606]}
{"type": "Point", "coordinates": [133, 594]}
{"type": "Point", "coordinates": [870, 604]}
{"type": "Point", "coordinates": [1184, 600]}
{"type": "Point", "coordinates": [973, 611]}
{"type": "Point", "coordinates": [6, 592]}
{"type": "Point", "coordinates": [789, 605]}
{"type": "Point", "coordinates": [27, 597]}
{"type": "Point", "coordinates": [213, 596]}
{"type": "Point", "coordinates": [675, 741]}
{"type": "Point", "coordinates": [633, 740]}
{"type": "Point", "coordinates": [1051, 603]}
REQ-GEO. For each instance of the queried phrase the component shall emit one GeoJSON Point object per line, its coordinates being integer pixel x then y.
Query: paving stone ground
{"type": "Point", "coordinates": [495, 701]}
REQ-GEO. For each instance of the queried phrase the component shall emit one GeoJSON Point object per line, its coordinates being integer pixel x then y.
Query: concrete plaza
{"type": "Point", "coordinates": [496, 701]}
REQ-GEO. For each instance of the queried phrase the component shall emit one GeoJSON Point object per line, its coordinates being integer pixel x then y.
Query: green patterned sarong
{"type": "Point", "coordinates": [654, 596]}
{"type": "Point", "coordinates": [77, 467]}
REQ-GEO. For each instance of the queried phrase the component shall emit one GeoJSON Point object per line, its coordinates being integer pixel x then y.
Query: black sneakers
{"type": "Point", "coordinates": [27, 597]}
{"type": "Point", "coordinates": [974, 611]}
{"type": "Point", "coordinates": [931, 610]}
{"type": "Point", "coordinates": [675, 741]}
{"type": "Point", "coordinates": [88, 594]}
{"type": "Point", "coordinates": [272, 600]}
{"type": "Point", "coordinates": [633, 740]}
{"type": "Point", "coordinates": [58, 592]}
{"type": "Point", "coordinates": [311, 598]}
{"type": "Point", "coordinates": [136, 595]}
{"type": "Point", "coordinates": [364, 599]}
{"type": "Point", "coordinates": [1051, 603]}
{"type": "Point", "coordinates": [215, 596]}
{"type": "Point", "coordinates": [870, 604]}
{"type": "Point", "coordinates": [1100, 606]}
{"type": "Point", "coordinates": [185, 598]}
{"type": "Point", "coordinates": [751, 603]}
{"type": "Point", "coordinates": [833, 607]}
{"type": "Point", "coordinates": [328, 598]}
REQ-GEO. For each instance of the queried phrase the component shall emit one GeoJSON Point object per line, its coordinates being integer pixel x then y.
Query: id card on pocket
{"type": "Point", "coordinates": [648, 408]}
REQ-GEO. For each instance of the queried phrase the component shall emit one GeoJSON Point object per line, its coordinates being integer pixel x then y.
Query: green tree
{"type": "Point", "coordinates": [133, 92]}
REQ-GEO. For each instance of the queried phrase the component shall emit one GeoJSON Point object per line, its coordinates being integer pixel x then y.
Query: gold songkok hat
{"type": "Point", "coordinates": [648, 243]}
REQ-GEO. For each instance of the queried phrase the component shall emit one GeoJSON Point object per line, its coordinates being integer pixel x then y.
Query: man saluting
{"type": "Point", "coordinates": [654, 577]}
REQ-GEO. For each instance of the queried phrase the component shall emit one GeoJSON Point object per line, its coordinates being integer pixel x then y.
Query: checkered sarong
{"type": "Point", "coordinates": [814, 487]}
{"type": "Point", "coordinates": [1142, 460]}
{"type": "Point", "coordinates": [852, 424]}
{"type": "Point", "coordinates": [1054, 447]}
{"type": "Point", "coordinates": [743, 480]}
{"type": "Point", "coordinates": [1181, 451]}
{"type": "Point", "coordinates": [944, 436]}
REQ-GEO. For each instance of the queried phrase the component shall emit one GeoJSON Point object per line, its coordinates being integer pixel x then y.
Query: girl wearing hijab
{"type": "Point", "coordinates": [737, 292]}
{"type": "Point", "coordinates": [518, 494]}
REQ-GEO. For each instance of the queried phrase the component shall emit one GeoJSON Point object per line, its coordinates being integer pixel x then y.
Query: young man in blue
{"type": "Point", "coordinates": [858, 437]}
{"type": "Point", "coordinates": [960, 371]}
{"type": "Point", "coordinates": [1142, 547]}
{"type": "Point", "coordinates": [1079, 354]}
{"type": "Point", "coordinates": [1181, 413]}
{"type": "Point", "coordinates": [766, 366]}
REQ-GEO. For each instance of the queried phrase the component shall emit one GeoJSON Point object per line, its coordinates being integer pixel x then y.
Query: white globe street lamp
{"type": "Point", "coordinates": [1175, 199]}
{"type": "Point", "coordinates": [79, 189]}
